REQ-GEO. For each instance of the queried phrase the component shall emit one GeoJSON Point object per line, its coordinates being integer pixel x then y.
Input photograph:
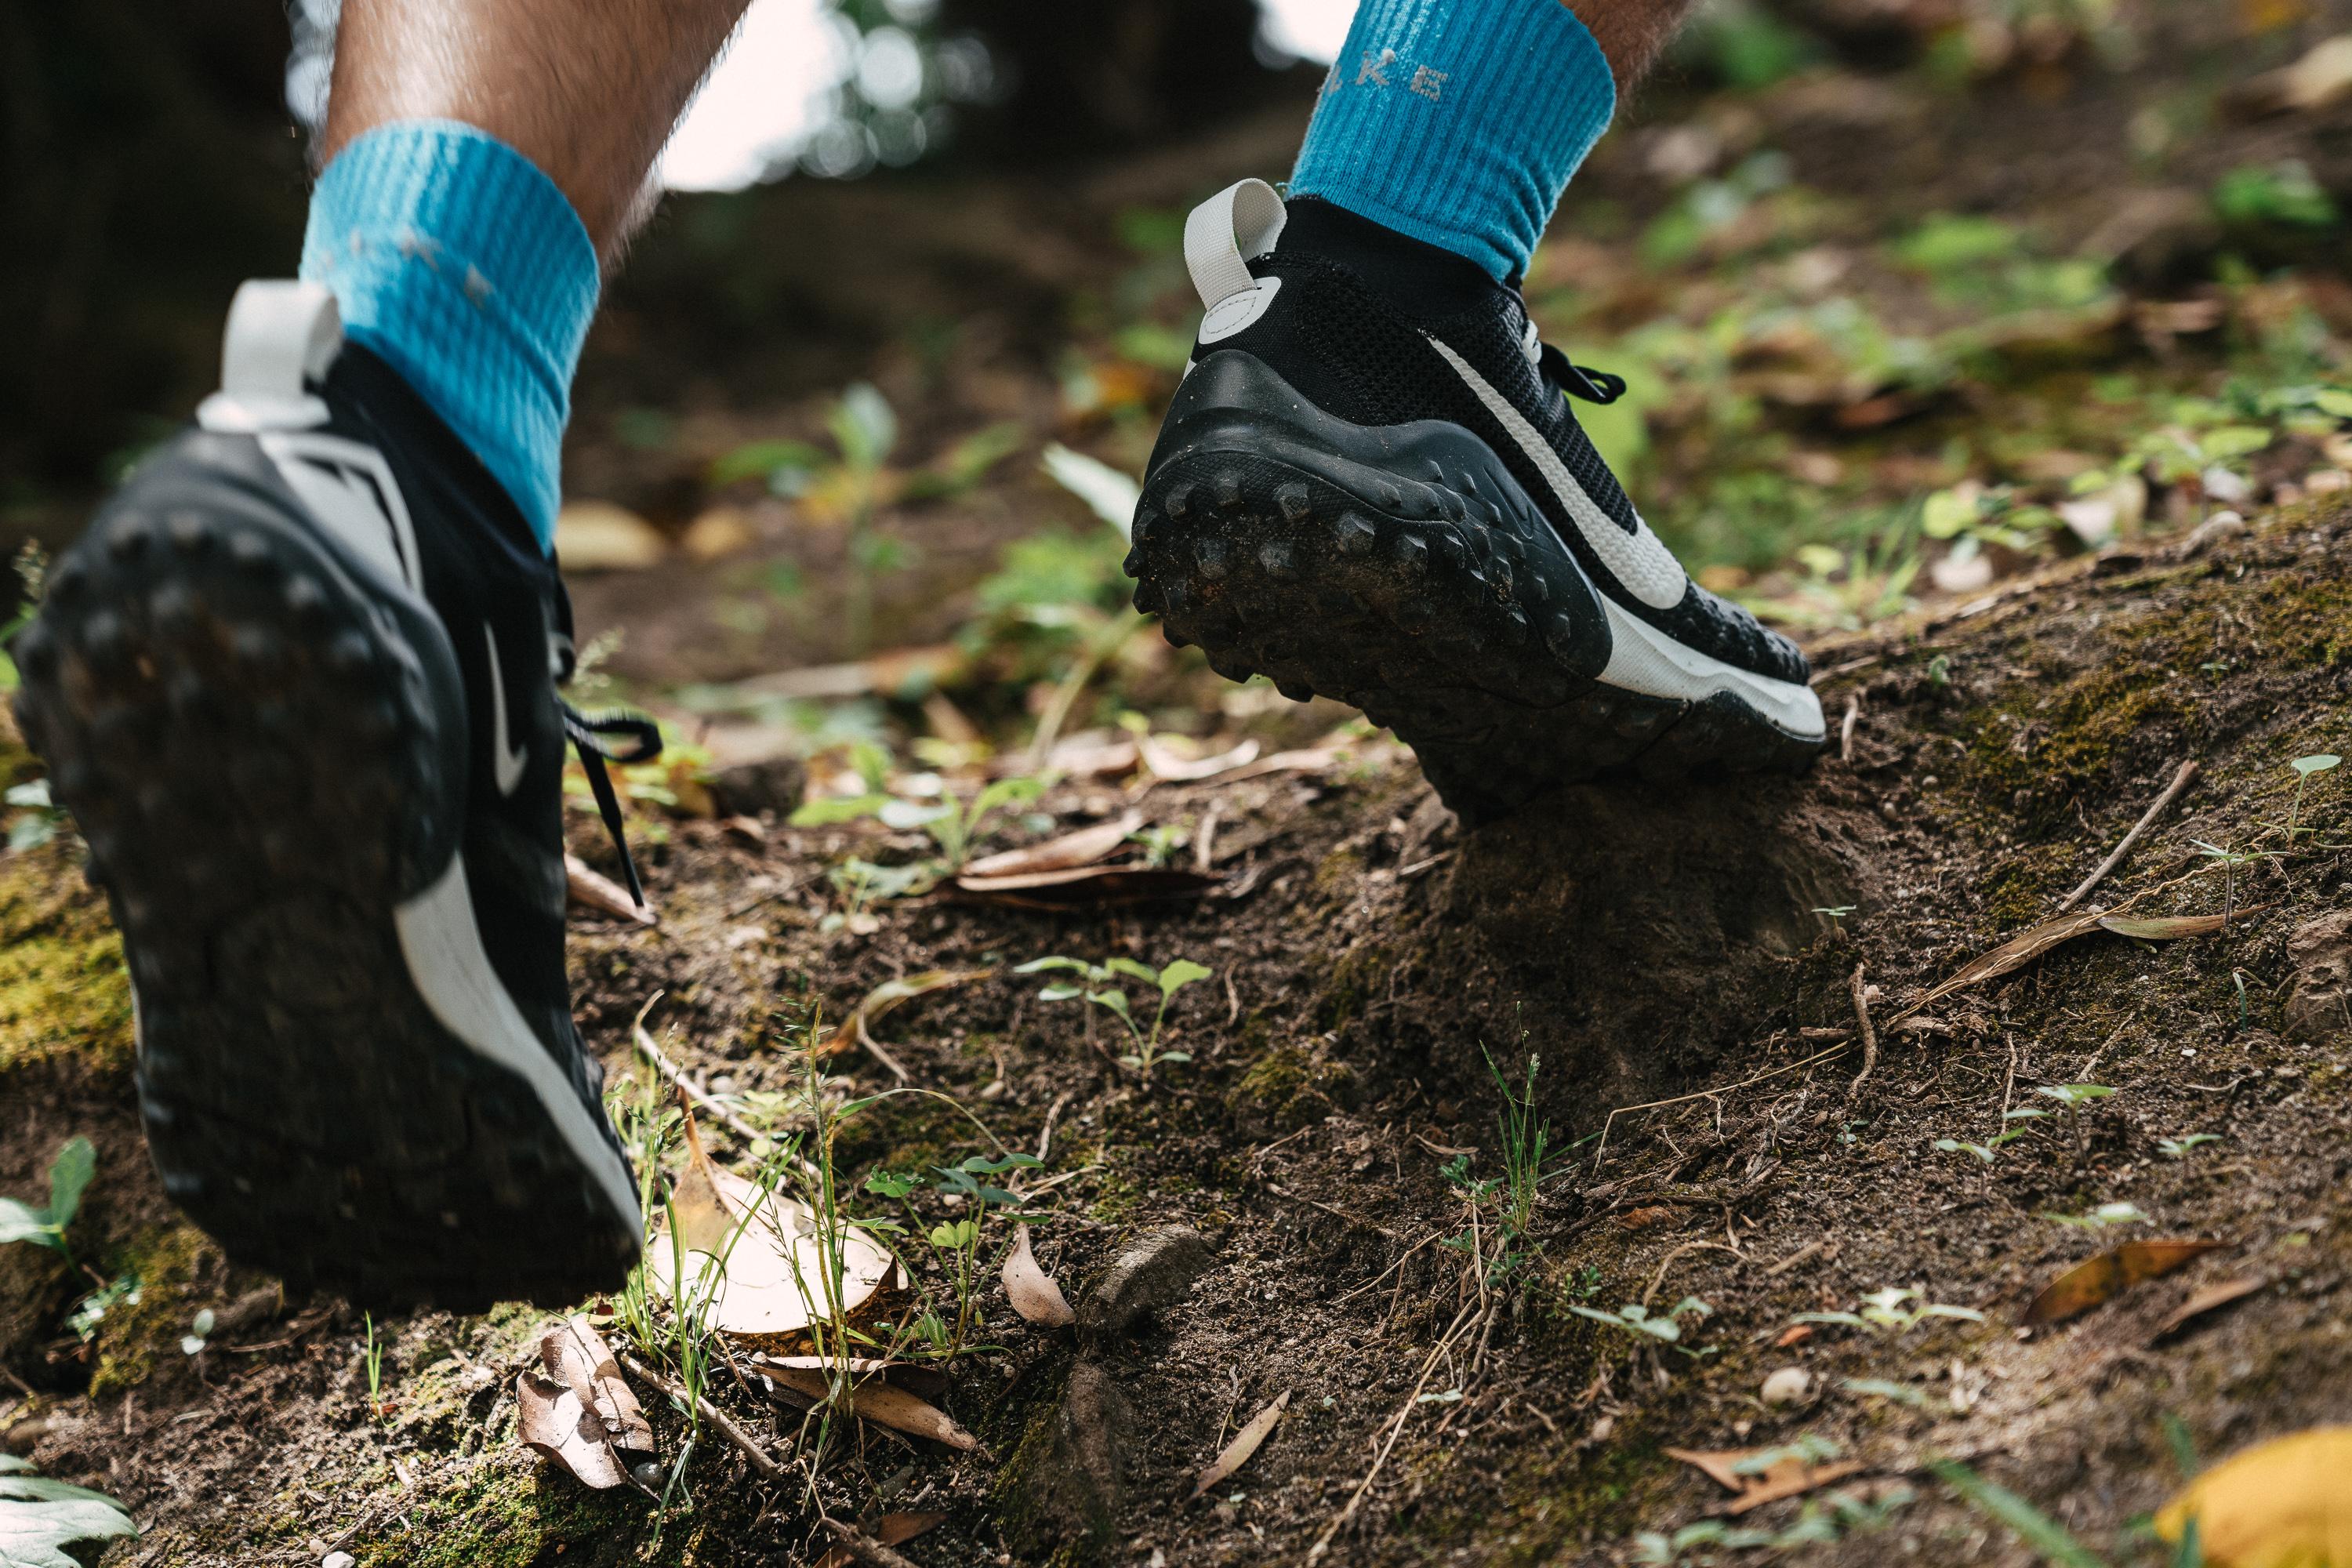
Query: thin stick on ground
{"type": "Point", "coordinates": [1396, 1427]}
{"type": "Point", "coordinates": [1837, 1049]}
{"type": "Point", "coordinates": [1869, 1035]}
{"type": "Point", "coordinates": [761, 1460]}
{"type": "Point", "coordinates": [2183, 777]}
{"type": "Point", "coordinates": [1669, 1262]}
{"type": "Point", "coordinates": [864, 1548]}
{"type": "Point", "coordinates": [1845, 729]}
{"type": "Point", "coordinates": [686, 1086]}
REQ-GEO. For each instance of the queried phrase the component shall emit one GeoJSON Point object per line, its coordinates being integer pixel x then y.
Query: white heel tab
{"type": "Point", "coordinates": [1220, 237]}
{"type": "Point", "coordinates": [281, 335]}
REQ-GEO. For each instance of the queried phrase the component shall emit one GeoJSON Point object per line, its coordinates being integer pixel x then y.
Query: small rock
{"type": "Point", "coordinates": [2321, 950]}
{"type": "Point", "coordinates": [339, 1560]}
{"type": "Point", "coordinates": [648, 1474]}
{"type": "Point", "coordinates": [598, 536]}
{"type": "Point", "coordinates": [770, 783]}
{"type": "Point", "coordinates": [1789, 1385]}
{"type": "Point", "coordinates": [1156, 1273]}
{"type": "Point", "coordinates": [25, 1436]}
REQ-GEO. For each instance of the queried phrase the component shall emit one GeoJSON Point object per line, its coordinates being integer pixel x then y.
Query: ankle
{"type": "Point", "coordinates": [460, 264]}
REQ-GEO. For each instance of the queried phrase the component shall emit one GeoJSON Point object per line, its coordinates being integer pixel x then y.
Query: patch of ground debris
{"type": "Point", "coordinates": [1717, 990]}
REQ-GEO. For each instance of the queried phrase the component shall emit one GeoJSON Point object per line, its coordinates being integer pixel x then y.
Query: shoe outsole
{"type": "Point", "coordinates": [1424, 608]}
{"type": "Point", "coordinates": [253, 751]}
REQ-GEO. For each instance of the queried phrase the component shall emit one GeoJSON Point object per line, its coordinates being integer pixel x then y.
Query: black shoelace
{"type": "Point", "coordinates": [614, 736]}
{"type": "Point", "coordinates": [1577, 380]}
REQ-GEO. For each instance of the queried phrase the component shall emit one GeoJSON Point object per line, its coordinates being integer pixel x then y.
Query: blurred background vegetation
{"type": "Point", "coordinates": [1914, 295]}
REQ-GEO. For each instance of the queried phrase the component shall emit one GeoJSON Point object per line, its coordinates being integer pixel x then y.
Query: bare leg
{"type": "Point", "coordinates": [587, 89]}
{"type": "Point", "coordinates": [1632, 33]}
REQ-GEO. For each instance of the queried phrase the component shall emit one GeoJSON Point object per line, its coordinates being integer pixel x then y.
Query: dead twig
{"type": "Point", "coordinates": [863, 1547]}
{"type": "Point", "coordinates": [1610, 1120]}
{"type": "Point", "coordinates": [686, 1086]}
{"type": "Point", "coordinates": [2183, 777]}
{"type": "Point", "coordinates": [1811, 1249]}
{"type": "Point", "coordinates": [1869, 1034]}
{"type": "Point", "coordinates": [1845, 729]}
{"type": "Point", "coordinates": [1396, 1427]}
{"type": "Point", "coordinates": [761, 1460]}
{"type": "Point", "coordinates": [1669, 1262]}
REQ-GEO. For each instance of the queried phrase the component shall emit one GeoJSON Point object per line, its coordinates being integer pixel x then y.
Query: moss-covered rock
{"type": "Point", "coordinates": [64, 993]}
{"type": "Point", "coordinates": [175, 1269]}
{"type": "Point", "coordinates": [1289, 1087]}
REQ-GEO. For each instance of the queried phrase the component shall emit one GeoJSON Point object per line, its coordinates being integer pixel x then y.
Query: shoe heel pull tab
{"type": "Point", "coordinates": [282, 335]}
{"type": "Point", "coordinates": [1220, 237]}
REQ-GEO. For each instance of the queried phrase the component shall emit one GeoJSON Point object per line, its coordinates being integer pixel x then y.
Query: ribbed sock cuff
{"type": "Point", "coordinates": [461, 264]}
{"type": "Point", "coordinates": [1459, 121]}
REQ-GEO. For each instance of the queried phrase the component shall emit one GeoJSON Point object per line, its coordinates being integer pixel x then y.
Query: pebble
{"type": "Point", "coordinates": [1789, 1385]}
{"type": "Point", "coordinates": [648, 1473]}
{"type": "Point", "coordinates": [1155, 1273]}
{"type": "Point", "coordinates": [339, 1560]}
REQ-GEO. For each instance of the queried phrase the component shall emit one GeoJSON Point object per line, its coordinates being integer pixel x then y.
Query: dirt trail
{"type": "Point", "coordinates": [1643, 942]}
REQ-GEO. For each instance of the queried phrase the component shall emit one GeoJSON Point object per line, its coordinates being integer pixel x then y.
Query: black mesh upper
{"type": "Point", "coordinates": [1347, 342]}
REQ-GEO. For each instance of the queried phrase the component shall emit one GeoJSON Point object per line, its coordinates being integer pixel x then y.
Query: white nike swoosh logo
{"type": "Point", "coordinates": [506, 759]}
{"type": "Point", "coordinates": [1639, 559]}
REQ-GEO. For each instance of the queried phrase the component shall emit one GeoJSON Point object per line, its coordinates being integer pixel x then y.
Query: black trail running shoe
{"type": "Point", "coordinates": [1371, 487]}
{"type": "Point", "coordinates": [295, 683]}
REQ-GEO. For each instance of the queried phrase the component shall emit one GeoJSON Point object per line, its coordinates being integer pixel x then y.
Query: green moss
{"type": "Point", "coordinates": [169, 1263]}
{"type": "Point", "coordinates": [1359, 977]}
{"type": "Point", "coordinates": [2020, 891]}
{"type": "Point", "coordinates": [1288, 1087]}
{"type": "Point", "coordinates": [511, 1512]}
{"type": "Point", "coordinates": [63, 989]}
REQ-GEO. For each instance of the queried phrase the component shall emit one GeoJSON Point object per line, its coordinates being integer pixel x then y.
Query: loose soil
{"type": "Point", "coordinates": [1645, 942]}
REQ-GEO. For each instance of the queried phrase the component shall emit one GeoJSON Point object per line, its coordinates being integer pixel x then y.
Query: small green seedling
{"type": "Point", "coordinates": [1891, 1311]}
{"type": "Point", "coordinates": [70, 1178]}
{"type": "Point", "coordinates": [1665, 1327]}
{"type": "Point", "coordinates": [2100, 1219]}
{"type": "Point", "coordinates": [374, 1355]}
{"type": "Point", "coordinates": [954, 825]}
{"type": "Point", "coordinates": [1874, 1387]}
{"type": "Point", "coordinates": [199, 1334]}
{"type": "Point", "coordinates": [1524, 1140]}
{"type": "Point", "coordinates": [2303, 768]}
{"type": "Point", "coordinates": [1097, 990]}
{"type": "Point", "coordinates": [2048, 1539]}
{"type": "Point", "coordinates": [41, 816]}
{"type": "Point", "coordinates": [2179, 1148]}
{"type": "Point", "coordinates": [958, 1242]}
{"type": "Point", "coordinates": [1837, 913]}
{"type": "Point", "coordinates": [122, 1291]}
{"type": "Point", "coordinates": [2073, 1097]}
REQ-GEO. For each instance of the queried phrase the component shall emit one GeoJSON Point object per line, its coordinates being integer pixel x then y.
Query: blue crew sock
{"type": "Point", "coordinates": [465, 268]}
{"type": "Point", "coordinates": [1459, 121]}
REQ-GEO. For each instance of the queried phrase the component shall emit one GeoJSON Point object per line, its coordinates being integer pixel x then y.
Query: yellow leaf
{"type": "Point", "coordinates": [2280, 1504]}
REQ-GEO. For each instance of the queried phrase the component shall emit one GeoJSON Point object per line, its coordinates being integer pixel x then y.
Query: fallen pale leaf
{"type": "Point", "coordinates": [1087, 886]}
{"type": "Point", "coordinates": [758, 1258]}
{"type": "Point", "coordinates": [878, 1402]}
{"type": "Point", "coordinates": [892, 993]}
{"type": "Point", "coordinates": [1084, 848]}
{"type": "Point", "coordinates": [891, 1530]}
{"type": "Point", "coordinates": [552, 1420]}
{"type": "Point", "coordinates": [2161, 928]}
{"type": "Point", "coordinates": [2280, 1504]}
{"type": "Point", "coordinates": [592, 889]}
{"type": "Point", "coordinates": [1313, 761]}
{"type": "Point", "coordinates": [1031, 1290]}
{"type": "Point", "coordinates": [1785, 1478]}
{"type": "Point", "coordinates": [1245, 1443]}
{"type": "Point", "coordinates": [2017, 952]}
{"type": "Point", "coordinates": [1090, 757]}
{"type": "Point", "coordinates": [1165, 763]}
{"type": "Point", "coordinates": [598, 536]}
{"type": "Point", "coordinates": [1794, 1335]}
{"type": "Point", "coordinates": [575, 1356]}
{"type": "Point", "coordinates": [2207, 1301]}
{"type": "Point", "coordinates": [2095, 1282]}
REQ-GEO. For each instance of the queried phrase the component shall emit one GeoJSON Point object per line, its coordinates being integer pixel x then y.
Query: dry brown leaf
{"type": "Point", "coordinates": [1087, 886]}
{"type": "Point", "coordinates": [553, 1420]}
{"type": "Point", "coordinates": [592, 889]}
{"type": "Point", "coordinates": [1795, 1334]}
{"type": "Point", "coordinates": [1084, 848]}
{"type": "Point", "coordinates": [889, 995]}
{"type": "Point", "coordinates": [1788, 1476]}
{"type": "Point", "coordinates": [2280, 1504]}
{"type": "Point", "coordinates": [575, 1356]}
{"type": "Point", "coordinates": [2161, 928]}
{"type": "Point", "coordinates": [2016, 952]}
{"type": "Point", "coordinates": [1031, 1290]}
{"type": "Point", "coordinates": [2205, 1301]}
{"type": "Point", "coordinates": [1164, 763]}
{"type": "Point", "coordinates": [759, 1258]}
{"type": "Point", "coordinates": [874, 1400]}
{"type": "Point", "coordinates": [2112, 1272]}
{"type": "Point", "coordinates": [891, 1530]}
{"type": "Point", "coordinates": [1244, 1444]}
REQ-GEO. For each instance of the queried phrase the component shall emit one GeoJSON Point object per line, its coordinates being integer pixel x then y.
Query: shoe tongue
{"type": "Point", "coordinates": [1425, 281]}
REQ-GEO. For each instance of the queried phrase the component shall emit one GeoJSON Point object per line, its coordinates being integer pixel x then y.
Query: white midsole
{"type": "Point", "coordinates": [453, 973]}
{"type": "Point", "coordinates": [1644, 659]}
